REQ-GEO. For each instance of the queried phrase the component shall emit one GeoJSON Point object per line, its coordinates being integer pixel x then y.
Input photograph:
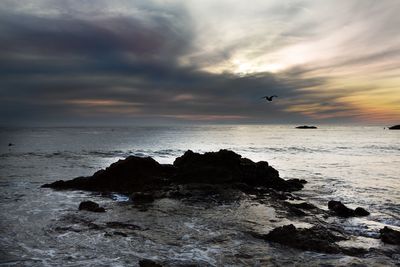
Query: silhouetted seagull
{"type": "Point", "coordinates": [269, 98]}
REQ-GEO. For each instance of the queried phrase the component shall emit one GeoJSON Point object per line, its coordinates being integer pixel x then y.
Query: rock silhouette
{"type": "Point", "coordinates": [91, 206]}
{"type": "Point", "coordinates": [395, 127]}
{"type": "Point", "coordinates": [342, 210]}
{"type": "Point", "coordinates": [137, 174]}
{"type": "Point", "coordinates": [306, 127]}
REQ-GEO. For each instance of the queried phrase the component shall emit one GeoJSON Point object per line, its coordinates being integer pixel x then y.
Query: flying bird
{"type": "Point", "coordinates": [269, 98]}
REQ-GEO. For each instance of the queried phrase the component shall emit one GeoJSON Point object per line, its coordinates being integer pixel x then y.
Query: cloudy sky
{"type": "Point", "coordinates": [126, 62]}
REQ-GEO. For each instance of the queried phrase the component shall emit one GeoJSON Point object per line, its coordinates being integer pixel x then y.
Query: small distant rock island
{"type": "Point", "coordinates": [395, 127]}
{"type": "Point", "coordinates": [306, 127]}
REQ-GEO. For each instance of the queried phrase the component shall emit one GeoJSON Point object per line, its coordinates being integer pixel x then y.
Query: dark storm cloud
{"type": "Point", "coordinates": [53, 67]}
{"type": "Point", "coordinates": [78, 67]}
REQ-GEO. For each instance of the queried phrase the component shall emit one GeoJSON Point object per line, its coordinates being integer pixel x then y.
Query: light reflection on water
{"type": "Point", "coordinates": [357, 165]}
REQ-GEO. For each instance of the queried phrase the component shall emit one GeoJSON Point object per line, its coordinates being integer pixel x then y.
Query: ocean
{"type": "Point", "coordinates": [42, 227]}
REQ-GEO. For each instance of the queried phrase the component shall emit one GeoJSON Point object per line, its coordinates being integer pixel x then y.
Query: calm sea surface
{"type": "Point", "coordinates": [357, 165]}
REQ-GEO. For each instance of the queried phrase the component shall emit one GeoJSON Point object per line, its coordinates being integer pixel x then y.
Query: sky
{"type": "Point", "coordinates": [126, 62]}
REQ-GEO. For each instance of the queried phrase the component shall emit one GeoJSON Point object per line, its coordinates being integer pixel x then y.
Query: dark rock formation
{"type": "Point", "coordinates": [148, 263]}
{"type": "Point", "coordinates": [128, 175]}
{"type": "Point", "coordinates": [136, 174]}
{"type": "Point", "coordinates": [395, 127]}
{"type": "Point", "coordinates": [341, 210]}
{"type": "Point", "coordinates": [390, 236]}
{"type": "Point", "coordinates": [91, 206]}
{"type": "Point", "coordinates": [361, 212]}
{"type": "Point", "coordinates": [314, 239]}
{"type": "Point", "coordinates": [304, 206]}
{"type": "Point", "coordinates": [227, 167]}
{"type": "Point", "coordinates": [142, 197]}
{"type": "Point", "coordinates": [299, 181]}
{"type": "Point", "coordinates": [306, 127]}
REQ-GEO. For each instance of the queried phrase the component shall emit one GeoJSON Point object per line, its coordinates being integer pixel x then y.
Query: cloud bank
{"type": "Point", "coordinates": [84, 62]}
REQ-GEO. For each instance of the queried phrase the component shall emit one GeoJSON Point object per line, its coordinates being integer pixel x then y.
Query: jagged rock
{"type": "Point", "coordinates": [395, 127]}
{"type": "Point", "coordinates": [390, 236]}
{"type": "Point", "coordinates": [227, 167]}
{"type": "Point", "coordinates": [361, 212]}
{"type": "Point", "coordinates": [91, 206]}
{"type": "Point", "coordinates": [341, 210]}
{"type": "Point", "coordinates": [148, 263]}
{"type": "Point", "coordinates": [136, 174]}
{"type": "Point", "coordinates": [306, 127]}
{"type": "Point", "coordinates": [314, 239]}
{"type": "Point", "coordinates": [128, 175]}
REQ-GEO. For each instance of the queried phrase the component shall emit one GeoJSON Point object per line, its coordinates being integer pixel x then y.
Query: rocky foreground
{"type": "Point", "coordinates": [230, 176]}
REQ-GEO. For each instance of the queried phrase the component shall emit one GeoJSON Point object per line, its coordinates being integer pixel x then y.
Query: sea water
{"type": "Point", "coordinates": [41, 227]}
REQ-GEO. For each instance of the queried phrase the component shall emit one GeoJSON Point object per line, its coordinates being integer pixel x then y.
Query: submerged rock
{"type": "Point", "coordinates": [137, 174]}
{"type": "Point", "coordinates": [395, 127]}
{"type": "Point", "coordinates": [148, 263]}
{"type": "Point", "coordinates": [304, 206]}
{"type": "Point", "coordinates": [91, 206]}
{"type": "Point", "coordinates": [314, 239]}
{"type": "Point", "coordinates": [306, 127]}
{"type": "Point", "coordinates": [341, 210]}
{"type": "Point", "coordinates": [390, 236]}
{"type": "Point", "coordinates": [123, 225]}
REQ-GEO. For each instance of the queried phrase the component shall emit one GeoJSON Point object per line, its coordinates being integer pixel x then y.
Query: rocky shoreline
{"type": "Point", "coordinates": [225, 176]}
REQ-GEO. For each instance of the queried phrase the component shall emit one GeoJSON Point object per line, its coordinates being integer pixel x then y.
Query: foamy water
{"type": "Point", "coordinates": [357, 165]}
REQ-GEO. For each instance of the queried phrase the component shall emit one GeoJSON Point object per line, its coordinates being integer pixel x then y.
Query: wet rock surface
{"type": "Point", "coordinates": [91, 206]}
{"type": "Point", "coordinates": [339, 209]}
{"type": "Point", "coordinates": [390, 236]}
{"type": "Point", "coordinates": [315, 238]}
{"type": "Point", "coordinates": [148, 263]}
